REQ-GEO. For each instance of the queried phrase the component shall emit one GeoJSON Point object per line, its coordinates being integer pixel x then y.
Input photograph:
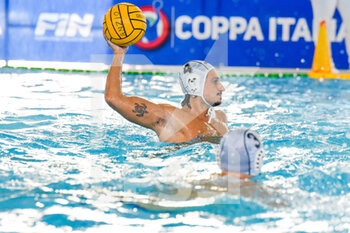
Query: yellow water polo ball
{"type": "Point", "coordinates": [124, 24]}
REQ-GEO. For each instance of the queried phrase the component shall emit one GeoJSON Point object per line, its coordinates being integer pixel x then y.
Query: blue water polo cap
{"type": "Point", "coordinates": [241, 151]}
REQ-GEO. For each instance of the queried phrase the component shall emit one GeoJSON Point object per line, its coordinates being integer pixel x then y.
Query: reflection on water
{"type": "Point", "coordinates": [68, 162]}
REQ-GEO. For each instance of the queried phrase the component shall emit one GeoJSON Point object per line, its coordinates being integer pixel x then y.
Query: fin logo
{"type": "Point", "coordinates": [57, 26]}
{"type": "Point", "coordinates": [157, 27]}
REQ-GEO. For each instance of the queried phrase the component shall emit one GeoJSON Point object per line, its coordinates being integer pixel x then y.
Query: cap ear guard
{"type": "Point", "coordinates": [258, 162]}
{"type": "Point", "coordinates": [255, 151]}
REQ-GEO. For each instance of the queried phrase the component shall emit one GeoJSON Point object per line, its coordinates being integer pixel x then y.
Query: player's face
{"type": "Point", "coordinates": [213, 89]}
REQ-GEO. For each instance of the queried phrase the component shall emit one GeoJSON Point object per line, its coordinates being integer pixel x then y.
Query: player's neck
{"type": "Point", "coordinates": [198, 108]}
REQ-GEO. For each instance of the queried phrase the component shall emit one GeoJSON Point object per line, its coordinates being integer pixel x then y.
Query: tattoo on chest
{"type": "Point", "coordinates": [140, 109]}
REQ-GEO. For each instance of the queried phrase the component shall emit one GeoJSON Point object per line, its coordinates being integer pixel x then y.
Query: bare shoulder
{"type": "Point", "coordinates": [221, 116]}
{"type": "Point", "coordinates": [168, 108]}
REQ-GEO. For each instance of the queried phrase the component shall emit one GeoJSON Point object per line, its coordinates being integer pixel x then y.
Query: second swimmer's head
{"type": "Point", "coordinates": [241, 152]}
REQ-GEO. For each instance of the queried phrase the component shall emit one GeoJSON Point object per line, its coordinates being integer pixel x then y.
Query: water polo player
{"type": "Point", "coordinates": [196, 119]}
{"type": "Point", "coordinates": [241, 153]}
{"type": "Point", "coordinates": [240, 157]}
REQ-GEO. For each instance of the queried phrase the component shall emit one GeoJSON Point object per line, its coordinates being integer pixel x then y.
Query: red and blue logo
{"type": "Point", "coordinates": [157, 28]}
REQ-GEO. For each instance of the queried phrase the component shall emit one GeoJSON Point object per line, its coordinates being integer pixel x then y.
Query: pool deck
{"type": "Point", "coordinates": [156, 69]}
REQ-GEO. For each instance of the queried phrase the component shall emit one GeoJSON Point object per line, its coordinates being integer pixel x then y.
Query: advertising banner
{"type": "Point", "coordinates": [254, 33]}
{"type": "Point", "coordinates": [52, 30]}
{"type": "Point", "coordinates": [2, 29]}
{"type": "Point", "coordinates": [273, 33]}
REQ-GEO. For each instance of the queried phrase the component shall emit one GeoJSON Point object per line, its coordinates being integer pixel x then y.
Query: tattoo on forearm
{"type": "Point", "coordinates": [140, 109]}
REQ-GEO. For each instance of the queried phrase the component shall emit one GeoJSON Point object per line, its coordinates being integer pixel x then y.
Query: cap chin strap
{"type": "Point", "coordinates": [211, 111]}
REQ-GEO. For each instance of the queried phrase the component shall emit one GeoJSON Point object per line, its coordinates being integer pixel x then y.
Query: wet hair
{"type": "Point", "coordinates": [186, 101]}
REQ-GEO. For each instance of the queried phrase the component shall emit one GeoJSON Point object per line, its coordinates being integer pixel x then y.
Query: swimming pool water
{"type": "Point", "coordinates": [69, 163]}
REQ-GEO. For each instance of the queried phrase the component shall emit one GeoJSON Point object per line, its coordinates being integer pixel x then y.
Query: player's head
{"type": "Point", "coordinates": [241, 151]}
{"type": "Point", "coordinates": [199, 78]}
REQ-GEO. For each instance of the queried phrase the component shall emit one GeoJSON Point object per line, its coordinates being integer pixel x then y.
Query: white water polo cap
{"type": "Point", "coordinates": [241, 151]}
{"type": "Point", "coordinates": [193, 76]}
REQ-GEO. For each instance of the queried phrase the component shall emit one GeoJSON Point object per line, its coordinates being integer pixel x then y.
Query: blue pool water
{"type": "Point", "coordinates": [69, 163]}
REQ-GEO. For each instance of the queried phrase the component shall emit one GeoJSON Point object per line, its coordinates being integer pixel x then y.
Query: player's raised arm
{"type": "Point", "coordinates": [135, 109]}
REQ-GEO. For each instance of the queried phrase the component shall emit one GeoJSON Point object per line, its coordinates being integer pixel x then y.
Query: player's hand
{"type": "Point", "coordinates": [116, 48]}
